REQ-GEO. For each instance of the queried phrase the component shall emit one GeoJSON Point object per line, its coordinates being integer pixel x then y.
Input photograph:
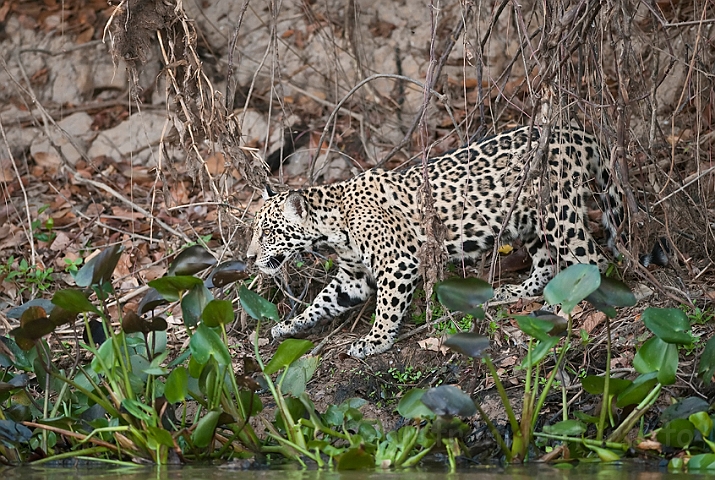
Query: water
{"type": "Point", "coordinates": [628, 471]}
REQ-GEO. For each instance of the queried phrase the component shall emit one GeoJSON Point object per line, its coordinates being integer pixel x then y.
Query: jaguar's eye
{"type": "Point", "coordinates": [267, 232]}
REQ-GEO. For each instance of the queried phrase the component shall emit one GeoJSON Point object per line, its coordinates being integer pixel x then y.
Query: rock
{"type": "Point", "coordinates": [137, 136]}
{"type": "Point", "coordinates": [78, 126]}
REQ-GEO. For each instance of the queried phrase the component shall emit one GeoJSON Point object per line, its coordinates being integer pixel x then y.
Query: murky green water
{"type": "Point", "coordinates": [541, 472]}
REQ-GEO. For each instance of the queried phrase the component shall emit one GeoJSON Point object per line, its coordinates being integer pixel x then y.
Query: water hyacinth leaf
{"type": "Point", "coordinates": [706, 367]}
{"type": "Point", "coordinates": [604, 454]}
{"type": "Point", "coordinates": [205, 428]}
{"type": "Point", "coordinates": [133, 323]}
{"type": "Point", "coordinates": [541, 349]}
{"type": "Point", "coordinates": [59, 316]}
{"type": "Point", "coordinates": [160, 436]}
{"type": "Point", "coordinates": [98, 269]}
{"type": "Point", "coordinates": [251, 402]}
{"type": "Point", "coordinates": [177, 385]}
{"type": "Point", "coordinates": [45, 303]}
{"type": "Point", "coordinates": [641, 387]}
{"type": "Point", "coordinates": [678, 433]}
{"type": "Point", "coordinates": [206, 343]}
{"type": "Point", "coordinates": [194, 303]}
{"type": "Point", "coordinates": [448, 400]}
{"type": "Point", "coordinates": [257, 306]}
{"type": "Point", "coordinates": [299, 374]}
{"type": "Point", "coordinates": [658, 356]}
{"type": "Point", "coordinates": [151, 300]}
{"type": "Point", "coordinates": [595, 385]}
{"type": "Point", "coordinates": [669, 324]}
{"type": "Point", "coordinates": [18, 381]}
{"type": "Point", "coordinates": [541, 326]}
{"type": "Point", "coordinates": [33, 326]}
{"type": "Point", "coordinates": [139, 410]}
{"type": "Point", "coordinates": [611, 293]}
{"type": "Point", "coordinates": [18, 413]}
{"type": "Point", "coordinates": [704, 461]}
{"type": "Point", "coordinates": [288, 352]}
{"type": "Point", "coordinates": [464, 295]}
{"type": "Point", "coordinates": [191, 260]}
{"type": "Point", "coordinates": [356, 458]}
{"type": "Point", "coordinates": [702, 422]}
{"type": "Point", "coordinates": [684, 408]}
{"type": "Point", "coordinates": [13, 433]}
{"type": "Point", "coordinates": [467, 343]}
{"type": "Point", "coordinates": [218, 312]}
{"type": "Point", "coordinates": [226, 273]}
{"type": "Point", "coordinates": [572, 428]}
{"type": "Point", "coordinates": [171, 288]}
{"type": "Point", "coordinates": [572, 285]}
{"type": "Point", "coordinates": [32, 314]}
{"type": "Point", "coordinates": [74, 301]}
{"type": "Point", "coordinates": [411, 405]}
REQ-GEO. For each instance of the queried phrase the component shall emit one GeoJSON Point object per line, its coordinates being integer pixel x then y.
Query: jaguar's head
{"type": "Point", "coordinates": [280, 230]}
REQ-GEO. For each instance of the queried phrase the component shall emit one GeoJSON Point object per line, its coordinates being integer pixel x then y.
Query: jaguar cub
{"type": "Point", "coordinates": [372, 222]}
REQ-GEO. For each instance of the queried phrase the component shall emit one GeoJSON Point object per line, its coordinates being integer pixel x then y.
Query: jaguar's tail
{"type": "Point", "coordinates": [610, 195]}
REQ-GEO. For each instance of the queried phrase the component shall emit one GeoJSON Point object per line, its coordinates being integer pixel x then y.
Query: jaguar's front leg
{"type": "Point", "coordinates": [396, 282]}
{"type": "Point", "coordinates": [351, 286]}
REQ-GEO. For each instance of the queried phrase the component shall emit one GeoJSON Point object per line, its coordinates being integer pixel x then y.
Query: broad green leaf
{"type": "Point", "coordinates": [611, 293]}
{"type": "Point", "coordinates": [194, 303]}
{"type": "Point", "coordinates": [177, 385]}
{"type": "Point", "coordinates": [684, 408]}
{"type": "Point", "coordinates": [206, 343]}
{"type": "Point", "coordinates": [160, 436]}
{"type": "Point", "coordinates": [171, 288]}
{"type": "Point", "coordinates": [288, 352]}
{"type": "Point", "coordinates": [356, 458]}
{"type": "Point", "coordinates": [257, 306]}
{"type": "Point", "coordinates": [669, 324]}
{"type": "Point", "coordinates": [678, 433]}
{"type": "Point", "coordinates": [467, 343]}
{"type": "Point", "coordinates": [205, 428]}
{"type": "Point", "coordinates": [572, 285]}
{"type": "Point", "coordinates": [604, 454]}
{"type": "Point", "coordinates": [411, 405]}
{"type": "Point", "coordinates": [641, 387]}
{"type": "Point", "coordinates": [299, 374]}
{"type": "Point", "coordinates": [16, 312]}
{"type": "Point", "coordinates": [541, 326]}
{"type": "Point", "coordinates": [74, 301]}
{"type": "Point", "coordinates": [572, 428]}
{"type": "Point", "coordinates": [13, 433]}
{"type": "Point", "coordinates": [698, 463]}
{"type": "Point", "coordinates": [448, 400]}
{"type": "Point", "coordinates": [657, 356]}
{"type": "Point", "coordinates": [594, 385]}
{"type": "Point", "coordinates": [99, 268]}
{"type": "Point", "coordinates": [464, 295]}
{"type": "Point", "coordinates": [190, 261]}
{"type": "Point", "coordinates": [227, 272]}
{"type": "Point", "coordinates": [703, 422]}
{"type": "Point", "coordinates": [152, 299]}
{"type": "Point", "coordinates": [706, 367]}
{"type": "Point", "coordinates": [218, 312]}
{"type": "Point", "coordinates": [139, 410]}
{"type": "Point", "coordinates": [540, 350]}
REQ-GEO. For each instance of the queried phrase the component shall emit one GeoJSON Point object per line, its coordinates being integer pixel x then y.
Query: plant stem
{"type": "Point", "coordinates": [606, 403]}
{"type": "Point", "coordinates": [584, 441]}
{"type": "Point", "coordinates": [621, 432]}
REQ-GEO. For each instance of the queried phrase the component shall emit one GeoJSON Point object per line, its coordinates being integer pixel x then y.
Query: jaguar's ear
{"type": "Point", "coordinates": [267, 192]}
{"type": "Point", "coordinates": [296, 207]}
